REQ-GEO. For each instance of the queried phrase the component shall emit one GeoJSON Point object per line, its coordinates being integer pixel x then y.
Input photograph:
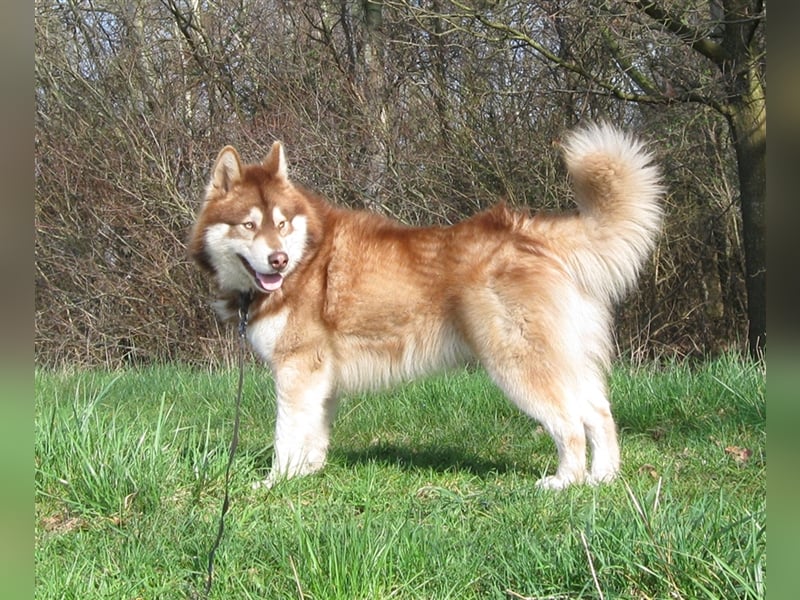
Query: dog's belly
{"type": "Point", "coordinates": [369, 363]}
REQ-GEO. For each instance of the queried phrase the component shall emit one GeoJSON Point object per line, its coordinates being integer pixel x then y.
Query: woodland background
{"type": "Point", "coordinates": [425, 110]}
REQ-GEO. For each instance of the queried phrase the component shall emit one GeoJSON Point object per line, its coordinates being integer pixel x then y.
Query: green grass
{"type": "Point", "coordinates": [429, 492]}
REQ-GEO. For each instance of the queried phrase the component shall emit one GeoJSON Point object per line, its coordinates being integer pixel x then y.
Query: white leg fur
{"type": "Point", "coordinates": [601, 433]}
{"type": "Point", "coordinates": [548, 403]}
{"type": "Point", "coordinates": [302, 428]}
{"type": "Point", "coordinates": [567, 432]}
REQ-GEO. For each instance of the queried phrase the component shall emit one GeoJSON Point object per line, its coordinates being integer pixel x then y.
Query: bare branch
{"type": "Point", "coordinates": [675, 25]}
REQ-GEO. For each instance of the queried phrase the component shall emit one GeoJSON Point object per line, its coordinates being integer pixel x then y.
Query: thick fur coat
{"type": "Point", "coordinates": [347, 300]}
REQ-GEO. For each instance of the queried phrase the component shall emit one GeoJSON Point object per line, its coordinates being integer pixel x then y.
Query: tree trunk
{"type": "Point", "coordinates": [746, 112]}
{"type": "Point", "coordinates": [748, 124]}
{"type": "Point", "coordinates": [373, 90]}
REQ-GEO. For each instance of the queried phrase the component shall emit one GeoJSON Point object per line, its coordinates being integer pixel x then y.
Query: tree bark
{"type": "Point", "coordinates": [372, 89]}
{"type": "Point", "coordinates": [744, 106]}
{"type": "Point", "coordinates": [747, 119]}
{"type": "Point", "coordinates": [747, 115]}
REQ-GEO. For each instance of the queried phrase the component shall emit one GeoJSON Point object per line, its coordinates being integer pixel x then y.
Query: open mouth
{"type": "Point", "coordinates": [267, 282]}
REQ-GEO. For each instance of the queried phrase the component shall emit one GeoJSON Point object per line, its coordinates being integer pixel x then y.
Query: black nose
{"type": "Point", "coordinates": [278, 260]}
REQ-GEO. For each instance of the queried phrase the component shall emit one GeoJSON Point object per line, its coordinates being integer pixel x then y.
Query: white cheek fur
{"type": "Point", "coordinates": [295, 242]}
{"type": "Point", "coordinates": [222, 251]}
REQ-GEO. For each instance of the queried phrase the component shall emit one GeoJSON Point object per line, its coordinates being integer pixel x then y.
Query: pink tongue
{"type": "Point", "coordinates": [270, 282]}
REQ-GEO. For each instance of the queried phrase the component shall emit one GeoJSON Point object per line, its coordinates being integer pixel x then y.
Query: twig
{"type": "Point", "coordinates": [591, 566]}
{"type": "Point", "coordinates": [297, 580]}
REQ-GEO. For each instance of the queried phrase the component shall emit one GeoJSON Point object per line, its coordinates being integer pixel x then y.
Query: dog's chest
{"type": "Point", "coordinates": [265, 333]}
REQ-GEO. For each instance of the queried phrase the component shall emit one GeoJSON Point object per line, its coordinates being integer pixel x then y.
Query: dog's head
{"type": "Point", "coordinates": [252, 230]}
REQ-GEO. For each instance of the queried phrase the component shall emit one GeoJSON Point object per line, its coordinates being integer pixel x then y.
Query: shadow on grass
{"type": "Point", "coordinates": [437, 458]}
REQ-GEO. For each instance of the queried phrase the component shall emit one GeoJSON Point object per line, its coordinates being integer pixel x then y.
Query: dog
{"type": "Point", "coordinates": [346, 301]}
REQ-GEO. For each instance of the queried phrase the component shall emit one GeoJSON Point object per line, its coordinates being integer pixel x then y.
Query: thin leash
{"type": "Point", "coordinates": [244, 306]}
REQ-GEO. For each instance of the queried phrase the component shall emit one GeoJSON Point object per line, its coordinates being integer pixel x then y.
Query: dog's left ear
{"type": "Point", "coordinates": [275, 163]}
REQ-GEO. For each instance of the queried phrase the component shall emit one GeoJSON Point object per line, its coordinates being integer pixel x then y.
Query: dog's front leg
{"type": "Point", "coordinates": [302, 428]}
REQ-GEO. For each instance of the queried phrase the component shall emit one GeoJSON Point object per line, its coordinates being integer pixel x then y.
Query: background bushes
{"type": "Point", "coordinates": [424, 111]}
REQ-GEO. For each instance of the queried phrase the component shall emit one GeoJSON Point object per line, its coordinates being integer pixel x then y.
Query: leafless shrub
{"type": "Point", "coordinates": [135, 99]}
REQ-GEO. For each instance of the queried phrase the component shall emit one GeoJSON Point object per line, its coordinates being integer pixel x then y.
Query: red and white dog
{"type": "Point", "coordinates": [346, 300]}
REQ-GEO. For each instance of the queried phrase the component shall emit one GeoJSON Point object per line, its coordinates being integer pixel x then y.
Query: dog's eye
{"type": "Point", "coordinates": [249, 225]}
{"type": "Point", "coordinates": [282, 225]}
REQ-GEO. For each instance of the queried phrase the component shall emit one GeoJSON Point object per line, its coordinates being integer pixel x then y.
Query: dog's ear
{"type": "Point", "coordinates": [275, 163]}
{"type": "Point", "coordinates": [227, 170]}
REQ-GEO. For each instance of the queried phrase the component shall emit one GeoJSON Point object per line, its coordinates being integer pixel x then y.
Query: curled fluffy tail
{"type": "Point", "coordinates": [618, 191]}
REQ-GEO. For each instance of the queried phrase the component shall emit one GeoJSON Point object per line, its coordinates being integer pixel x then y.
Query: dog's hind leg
{"type": "Point", "coordinates": [571, 403]}
{"type": "Point", "coordinates": [553, 404]}
{"type": "Point", "coordinates": [601, 431]}
{"type": "Point", "coordinates": [531, 344]}
{"type": "Point", "coordinates": [544, 389]}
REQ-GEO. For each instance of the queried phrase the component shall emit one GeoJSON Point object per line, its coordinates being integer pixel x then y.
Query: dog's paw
{"type": "Point", "coordinates": [264, 484]}
{"type": "Point", "coordinates": [272, 479]}
{"type": "Point", "coordinates": [600, 478]}
{"type": "Point", "coordinates": [557, 482]}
